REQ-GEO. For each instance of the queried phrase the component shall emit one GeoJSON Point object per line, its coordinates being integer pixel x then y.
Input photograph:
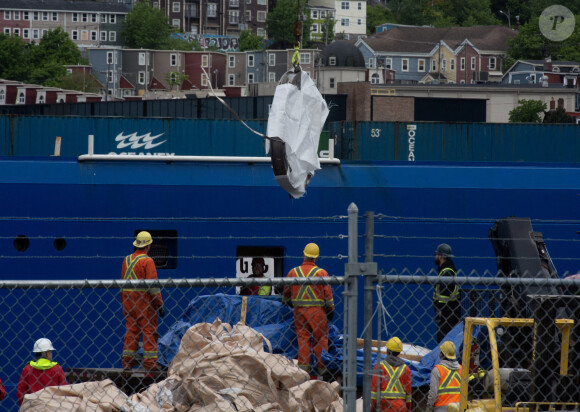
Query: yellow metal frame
{"type": "Point", "coordinates": [565, 326]}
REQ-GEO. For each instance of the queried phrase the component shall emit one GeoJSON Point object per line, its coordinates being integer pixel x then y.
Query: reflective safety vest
{"type": "Point", "coordinates": [306, 296]}
{"type": "Point", "coordinates": [438, 297]}
{"type": "Point", "coordinates": [394, 389]}
{"type": "Point", "coordinates": [130, 274]}
{"type": "Point", "coordinates": [42, 364]}
{"type": "Point", "coordinates": [448, 391]}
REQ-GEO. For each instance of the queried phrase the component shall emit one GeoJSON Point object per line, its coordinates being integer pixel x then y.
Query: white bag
{"type": "Point", "coordinates": [297, 116]}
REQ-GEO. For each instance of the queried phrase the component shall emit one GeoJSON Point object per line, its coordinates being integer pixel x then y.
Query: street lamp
{"type": "Point", "coordinates": [508, 17]}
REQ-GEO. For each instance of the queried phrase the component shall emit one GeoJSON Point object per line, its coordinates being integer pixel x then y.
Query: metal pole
{"type": "Point", "coordinates": [368, 313]}
{"type": "Point", "coordinates": [351, 292]}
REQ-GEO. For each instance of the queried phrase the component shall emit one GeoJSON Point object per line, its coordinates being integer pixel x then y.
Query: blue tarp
{"type": "Point", "coordinates": [275, 321]}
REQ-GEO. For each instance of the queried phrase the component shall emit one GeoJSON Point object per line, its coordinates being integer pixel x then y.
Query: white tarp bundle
{"type": "Point", "coordinates": [297, 117]}
{"type": "Point", "coordinates": [218, 368]}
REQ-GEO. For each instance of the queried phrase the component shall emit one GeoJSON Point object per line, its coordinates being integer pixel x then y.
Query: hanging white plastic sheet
{"type": "Point", "coordinates": [297, 116]}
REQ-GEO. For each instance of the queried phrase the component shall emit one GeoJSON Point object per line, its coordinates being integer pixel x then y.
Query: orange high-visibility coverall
{"type": "Point", "coordinates": [395, 389]}
{"type": "Point", "coordinates": [140, 308]}
{"type": "Point", "coordinates": [311, 304]}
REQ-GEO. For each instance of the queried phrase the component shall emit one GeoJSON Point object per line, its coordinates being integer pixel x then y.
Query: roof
{"type": "Point", "coordinates": [346, 53]}
{"type": "Point", "coordinates": [64, 5]}
{"type": "Point", "coordinates": [424, 39]}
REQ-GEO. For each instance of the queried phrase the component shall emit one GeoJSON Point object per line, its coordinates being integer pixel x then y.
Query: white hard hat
{"type": "Point", "coordinates": [42, 345]}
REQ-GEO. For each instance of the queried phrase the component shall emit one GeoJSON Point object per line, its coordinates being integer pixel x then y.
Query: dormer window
{"type": "Point", "coordinates": [332, 61]}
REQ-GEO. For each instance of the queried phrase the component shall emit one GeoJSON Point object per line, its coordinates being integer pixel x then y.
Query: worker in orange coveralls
{"type": "Point", "coordinates": [395, 378]}
{"type": "Point", "coordinates": [141, 306]}
{"type": "Point", "coordinates": [313, 309]}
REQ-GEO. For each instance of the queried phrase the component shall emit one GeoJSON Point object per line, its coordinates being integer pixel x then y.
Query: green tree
{"type": "Point", "coordinates": [528, 111]}
{"type": "Point", "coordinates": [280, 21]}
{"type": "Point", "coordinates": [13, 58]}
{"type": "Point", "coordinates": [327, 29]}
{"type": "Point", "coordinates": [174, 43]}
{"type": "Point", "coordinates": [146, 27]}
{"type": "Point", "coordinates": [175, 79]}
{"type": "Point", "coordinates": [466, 12]}
{"type": "Point", "coordinates": [530, 43]}
{"type": "Point", "coordinates": [83, 82]}
{"type": "Point", "coordinates": [250, 41]}
{"type": "Point", "coordinates": [558, 116]}
{"type": "Point", "coordinates": [377, 14]}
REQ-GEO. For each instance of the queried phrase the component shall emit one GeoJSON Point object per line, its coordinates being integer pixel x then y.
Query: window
{"type": "Point", "coordinates": [262, 2]}
{"type": "Point", "coordinates": [444, 64]}
{"type": "Point", "coordinates": [452, 64]}
{"type": "Point", "coordinates": [173, 60]}
{"type": "Point", "coordinates": [104, 18]}
{"type": "Point", "coordinates": [345, 22]}
{"type": "Point", "coordinates": [110, 76]}
{"type": "Point", "coordinates": [231, 61]}
{"type": "Point", "coordinates": [492, 63]}
{"type": "Point", "coordinates": [2, 96]}
{"type": "Point", "coordinates": [261, 16]}
{"type": "Point", "coordinates": [21, 97]}
{"type": "Point", "coordinates": [345, 5]}
{"type": "Point", "coordinates": [261, 32]}
{"type": "Point", "coordinates": [359, 5]}
{"type": "Point", "coordinates": [204, 81]}
{"type": "Point", "coordinates": [141, 59]}
{"type": "Point", "coordinates": [462, 63]}
{"type": "Point", "coordinates": [6, 15]}
{"type": "Point", "coordinates": [322, 14]}
{"type": "Point", "coordinates": [331, 83]}
{"type": "Point", "coordinates": [211, 9]}
{"type": "Point", "coordinates": [375, 79]}
{"type": "Point", "coordinates": [17, 15]}
{"type": "Point", "coordinates": [332, 61]}
{"type": "Point", "coordinates": [231, 80]}
{"type": "Point", "coordinates": [272, 77]}
{"type": "Point", "coordinates": [372, 62]}
{"type": "Point", "coordinates": [103, 36]}
{"type": "Point", "coordinates": [94, 35]}
{"type": "Point", "coordinates": [44, 16]}
{"type": "Point", "coordinates": [25, 15]}
{"type": "Point", "coordinates": [112, 36]}
{"type": "Point", "coordinates": [7, 30]}
{"type": "Point", "coordinates": [176, 7]}
{"type": "Point", "coordinates": [315, 14]}
{"type": "Point", "coordinates": [85, 17]}
{"type": "Point", "coordinates": [204, 60]}
{"type": "Point", "coordinates": [109, 57]}
{"type": "Point", "coordinates": [55, 16]}
{"type": "Point", "coordinates": [26, 33]}
{"type": "Point", "coordinates": [314, 28]}
{"type": "Point", "coordinates": [235, 3]}
{"type": "Point", "coordinates": [305, 58]}
{"type": "Point", "coordinates": [113, 18]}
{"type": "Point", "coordinates": [433, 65]}
{"type": "Point", "coordinates": [36, 34]}
{"type": "Point", "coordinates": [388, 63]}
{"type": "Point", "coordinates": [271, 59]}
{"type": "Point", "coordinates": [421, 65]}
{"type": "Point", "coordinates": [141, 78]}
{"type": "Point", "coordinates": [44, 31]}
{"type": "Point", "coordinates": [250, 60]}
{"type": "Point", "coordinates": [405, 65]}
{"type": "Point", "coordinates": [250, 78]}
{"type": "Point", "coordinates": [35, 15]}
{"type": "Point", "coordinates": [75, 17]}
{"type": "Point", "coordinates": [248, 15]}
{"type": "Point", "coordinates": [359, 22]}
{"type": "Point", "coordinates": [94, 18]}
{"type": "Point", "coordinates": [16, 32]}
{"type": "Point", "coordinates": [194, 29]}
{"type": "Point", "coordinates": [234, 17]}
{"type": "Point", "coordinates": [473, 63]}
{"type": "Point", "coordinates": [175, 23]}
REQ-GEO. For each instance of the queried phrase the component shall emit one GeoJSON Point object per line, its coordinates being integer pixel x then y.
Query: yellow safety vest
{"type": "Point", "coordinates": [306, 295]}
{"type": "Point", "coordinates": [438, 297]}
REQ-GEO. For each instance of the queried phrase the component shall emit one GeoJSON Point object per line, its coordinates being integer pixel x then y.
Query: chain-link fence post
{"type": "Point", "coordinates": [370, 278]}
{"type": "Point", "coordinates": [351, 298]}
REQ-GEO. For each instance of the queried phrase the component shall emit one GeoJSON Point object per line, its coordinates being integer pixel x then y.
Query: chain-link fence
{"type": "Point", "coordinates": [515, 334]}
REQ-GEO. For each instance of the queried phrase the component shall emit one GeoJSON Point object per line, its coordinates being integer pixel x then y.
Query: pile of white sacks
{"type": "Point", "coordinates": [218, 368]}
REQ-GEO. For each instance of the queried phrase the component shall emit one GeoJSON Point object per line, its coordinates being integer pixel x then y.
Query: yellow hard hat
{"type": "Point", "coordinates": [311, 250]}
{"type": "Point", "coordinates": [395, 345]}
{"type": "Point", "coordinates": [448, 349]}
{"type": "Point", "coordinates": [143, 239]}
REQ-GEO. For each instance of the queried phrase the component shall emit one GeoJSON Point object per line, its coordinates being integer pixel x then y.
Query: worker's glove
{"type": "Point", "coordinates": [161, 311]}
{"type": "Point", "coordinates": [330, 315]}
